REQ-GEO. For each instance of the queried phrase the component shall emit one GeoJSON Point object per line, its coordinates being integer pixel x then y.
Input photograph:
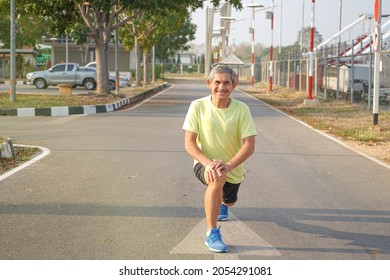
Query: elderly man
{"type": "Point", "coordinates": [220, 136]}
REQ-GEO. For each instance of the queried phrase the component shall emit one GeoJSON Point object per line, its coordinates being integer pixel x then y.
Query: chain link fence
{"type": "Point", "coordinates": [341, 72]}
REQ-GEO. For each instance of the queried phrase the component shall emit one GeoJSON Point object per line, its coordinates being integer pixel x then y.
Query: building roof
{"type": "Point", "coordinates": [231, 60]}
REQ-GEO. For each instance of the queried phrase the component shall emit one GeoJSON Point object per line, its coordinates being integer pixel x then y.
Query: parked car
{"type": "Point", "coordinates": [122, 81]}
{"type": "Point", "coordinates": [63, 73]}
{"type": "Point", "coordinates": [91, 64]}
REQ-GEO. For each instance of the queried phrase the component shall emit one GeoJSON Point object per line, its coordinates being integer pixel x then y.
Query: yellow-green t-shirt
{"type": "Point", "coordinates": [220, 131]}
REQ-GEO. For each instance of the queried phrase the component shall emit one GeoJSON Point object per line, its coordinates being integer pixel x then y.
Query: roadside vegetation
{"type": "Point", "coordinates": [351, 123]}
{"type": "Point", "coordinates": [47, 101]}
{"type": "Point", "coordinates": [22, 154]}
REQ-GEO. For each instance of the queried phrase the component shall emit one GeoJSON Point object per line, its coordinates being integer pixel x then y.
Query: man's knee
{"type": "Point", "coordinates": [220, 179]}
{"type": "Point", "coordinates": [217, 185]}
{"type": "Point", "coordinates": [220, 182]}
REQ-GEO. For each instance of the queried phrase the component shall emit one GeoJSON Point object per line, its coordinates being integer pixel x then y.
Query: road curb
{"type": "Point", "coordinates": [43, 152]}
{"type": "Point", "coordinates": [81, 110]}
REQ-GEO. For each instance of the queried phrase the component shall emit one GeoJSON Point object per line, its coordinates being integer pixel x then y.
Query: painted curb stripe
{"type": "Point", "coordinates": [76, 110]}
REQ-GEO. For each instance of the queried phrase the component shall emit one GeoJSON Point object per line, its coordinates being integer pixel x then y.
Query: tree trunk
{"type": "Point", "coordinates": [146, 68]}
{"type": "Point", "coordinates": [102, 43]}
{"type": "Point", "coordinates": [100, 17]}
{"type": "Point", "coordinates": [137, 62]}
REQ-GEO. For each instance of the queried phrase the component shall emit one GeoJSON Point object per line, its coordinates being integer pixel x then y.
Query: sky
{"type": "Point", "coordinates": [326, 20]}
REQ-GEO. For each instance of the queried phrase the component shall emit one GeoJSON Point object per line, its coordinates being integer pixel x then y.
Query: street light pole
{"type": "Point", "coordinates": [13, 53]}
{"type": "Point", "coordinates": [271, 70]}
{"type": "Point", "coordinates": [117, 51]}
{"type": "Point", "coordinates": [377, 58]}
{"type": "Point", "coordinates": [222, 37]}
{"type": "Point", "coordinates": [209, 37]}
{"type": "Point", "coordinates": [340, 16]}
{"type": "Point", "coordinates": [280, 28]}
{"type": "Point", "coordinates": [253, 49]}
{"type": "Point", "coordinates": [302, 27]}
{"type": "Point", "coordinates": [252, 30]}
{"type": "Point", "coordinates": [226, 23]}
{"type": "Point", "coordinates": [311, 56]}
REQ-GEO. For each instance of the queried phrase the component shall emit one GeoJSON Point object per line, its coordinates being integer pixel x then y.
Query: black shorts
{"type": "Point", "coordinates": [229, 192]}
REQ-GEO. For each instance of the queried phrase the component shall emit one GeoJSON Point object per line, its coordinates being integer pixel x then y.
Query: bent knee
{"type": "Point", "coordinates": [218, 184]}
{"type": "Point", "coordinates": [220, 180]}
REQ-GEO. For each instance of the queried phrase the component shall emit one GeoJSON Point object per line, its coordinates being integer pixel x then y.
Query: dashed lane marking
{"type": "Point", "coordinates": [240, 239]}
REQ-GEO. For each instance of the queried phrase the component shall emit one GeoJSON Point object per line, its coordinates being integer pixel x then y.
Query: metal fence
{"type": "Point", "coordinates": [339, 73]}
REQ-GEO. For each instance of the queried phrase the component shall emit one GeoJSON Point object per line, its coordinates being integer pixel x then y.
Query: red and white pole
{"type": "Point", "coordinates": [271, 50]}
{"type": "Point", "coordinates": [311, 56]}
{"type": "Point", "coordinates": [377, 59]}
{"type": "Point", "coordinates": [253, 48]}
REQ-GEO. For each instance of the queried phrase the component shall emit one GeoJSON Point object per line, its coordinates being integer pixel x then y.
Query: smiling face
{"type": "Point", "coordinates": [221, 87]}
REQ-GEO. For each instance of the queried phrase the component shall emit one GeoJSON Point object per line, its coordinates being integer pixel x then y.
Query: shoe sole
{"type": "Point", "coordinates": [214, 250]}
{"type": "Point", "coordinates": [223, 219]}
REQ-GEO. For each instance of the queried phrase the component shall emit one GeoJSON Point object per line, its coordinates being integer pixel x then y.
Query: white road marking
{"type": "Point", "coordinates": [240, 239]}
{"type": "Point", "coordinates": [45, 152]}
{"type": "Point", "coordinates": [146, 100]}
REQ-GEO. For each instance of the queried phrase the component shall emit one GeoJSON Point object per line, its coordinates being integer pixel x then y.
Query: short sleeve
{"type": "Point", "coordinates": [191, 122]}
{"type": "Point", "coordinates": [248, 127]}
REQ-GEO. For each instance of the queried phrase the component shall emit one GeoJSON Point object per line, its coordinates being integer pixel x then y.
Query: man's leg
{"type": "Point", "coordinates": [229, 199]}
{"type": "Point", "coordinates": [212, 201]}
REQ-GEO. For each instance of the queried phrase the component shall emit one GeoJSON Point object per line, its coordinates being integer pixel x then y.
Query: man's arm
{"type": "Point", "coordinates": [212, 167]}
{"type": "Point", "coordinates": [193, 150]}
{"type": "Point", "coordinates": [243, 154]}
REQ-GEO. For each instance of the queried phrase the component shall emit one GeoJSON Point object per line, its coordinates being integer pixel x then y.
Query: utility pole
{"type": "Point", "coordinates": [271, 66]}
{"type": "Point", "coordinates": [253, 49]}
{"type": "Point", "coordinates": [209, 35]}
{"type": "Point", "coordinates": [311, 55]}
{"type": "Point", "coordinates": [280, 28]}
{"type": "Point", "coordinates": [252, 31]}
{"type": "Point", "coordinates": [377, 58]}
{"type": "Point", "coordinates": [301, 57]}
{"type": "Point", "coordinates": [116, 52]}
{"type": "Point", "coordinates": [13, 53]}
{"type": "Point", "coordinates": [338, 50]}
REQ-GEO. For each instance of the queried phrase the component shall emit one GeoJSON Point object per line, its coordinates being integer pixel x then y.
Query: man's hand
{"type": "Point", "coordinates": [216, 169]}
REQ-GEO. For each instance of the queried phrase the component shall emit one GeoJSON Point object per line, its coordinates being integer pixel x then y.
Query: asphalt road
{"type": "Point", "coordinates": [120, 186]}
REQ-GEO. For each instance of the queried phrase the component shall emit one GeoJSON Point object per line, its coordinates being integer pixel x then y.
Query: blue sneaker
{"type": "Point", "coordinates": [214, 241]}
{"type": "Point", "coordinates": [223, 213]}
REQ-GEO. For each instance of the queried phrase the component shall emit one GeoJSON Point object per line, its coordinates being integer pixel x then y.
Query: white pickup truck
{"type": "Point", "coordinates": [64, 73]}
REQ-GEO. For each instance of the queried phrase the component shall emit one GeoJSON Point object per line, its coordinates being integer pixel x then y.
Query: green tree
{"type": "Point", "coordinates": [306, 38]}
{"type": "Point", "coordinates": [28, 29]}
{"type": "Point", "coordinates": [167, 30]}
{"type": "Point", "coordinates": [244, 51]}
{"type": "Point", "coordinates": [176, 40]}
{"type": "Point", "coordinates": [101, 18]}
{"type": "Point", "coordinates": [79, 34]}
{"type": "Point", "coordinates": [172, 34]}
